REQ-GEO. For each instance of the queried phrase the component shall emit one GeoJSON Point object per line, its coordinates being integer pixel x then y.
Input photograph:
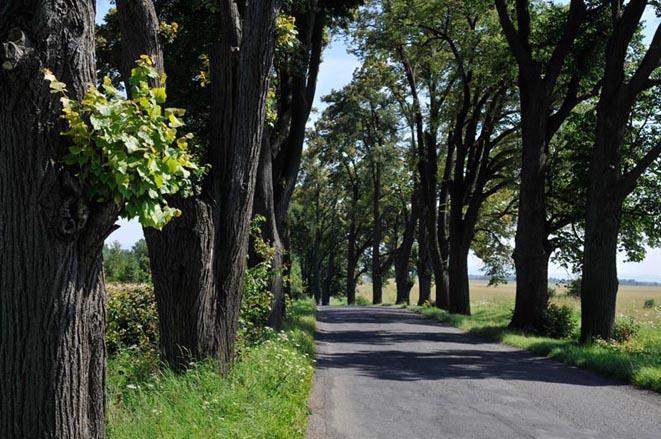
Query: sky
{"type": "Point", "coordinates": [335, 72]}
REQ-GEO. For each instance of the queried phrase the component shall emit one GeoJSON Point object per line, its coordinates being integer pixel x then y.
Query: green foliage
{"type": "Point", "coordinates": [559, 321]}
{"type": "Point", "coordinates": [126, 266]}
{"type": "Point", "coordinates": [362, 301]}
{"type": "Point", "coordinates": [257, 298]}
{"type": "Point", "coordinates": [573, 288]}
{"type": "Point", "coordinates": [295, 279]}
{"type": "Point", "coordinates": [551, 292]}
{"type": "Point", "coordinates": [265, 395]}
{"type": "Point", "coordinates": [132, 319]}
{"type": "Point", "coordinates": [127, 151]}
{"type": "Point", "coordinates": [626, 329]}
{"type": "Point", "coordinates": [649, 304]}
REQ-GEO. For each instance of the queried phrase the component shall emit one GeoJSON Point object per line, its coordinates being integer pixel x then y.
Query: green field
{"type": "Point", "coordinates": [630, 299]}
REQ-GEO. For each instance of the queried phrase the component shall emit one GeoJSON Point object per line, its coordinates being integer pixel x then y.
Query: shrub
{"type": "Point", "coordinates": [626, 329]}
{"type": "Point", "coordinates": [558, 321]}
{"type": "Point", "coordinates": [362, 301]}
{"type": "Point", "coordinates": [256, 302]}
{"type": "Point", "coordinates": [132, 318]}
{"type": "Point", "coordinates": [295, 279]}
{"type": "Point", "coordinates": [649, 304]}
{"type": "Point", "coordinates": [551, 292]}
{"type": "Point", "coordinates": [574, 288]}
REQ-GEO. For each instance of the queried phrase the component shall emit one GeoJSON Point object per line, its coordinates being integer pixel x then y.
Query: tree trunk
{"type": "Point", "coordinates": [377, 280]}
{"type": "Point", "coordinates": [181, 259]}
{"type": "Point", "coordinates": [599, 283]}
{"type": "Point", "coordinates": [403, 257]}
{"type": "Point", "coordinates": [181, 254]}
{"type": "Point", "coordinates": [609, 184]}
{"type": "Point", "coordinates": [351, 278]}
{"type": "Point", "coordinates": [139, 27]}
{"type": "Point", "coordinates": [52, 295]}
{"type": "Point", "coordinates": [264, 205]}
{"type": "Point", "coordinates": [423, 264]}
{"type": "Point", "coordinates": [443, 274]}
{"type": "Point", "coordinates": [531, 253]}
{"type": "Point", "coordinates": [328, 284]}
{"type": "Point", "coordinates": [316, 281]}
{"type": "Point", "coordinates": [240, 80]}
{"type": "Point", "coordinates": [459, 286]}
{"type": "Point", "coordinates": [460, 241]}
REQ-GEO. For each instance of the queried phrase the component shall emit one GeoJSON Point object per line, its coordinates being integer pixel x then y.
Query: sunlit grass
{"type": "Point", "coordinates": [265, 395]}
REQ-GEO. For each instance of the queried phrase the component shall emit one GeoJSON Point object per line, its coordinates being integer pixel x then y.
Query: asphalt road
{"type": "Point", "coordinates": [387, 373]}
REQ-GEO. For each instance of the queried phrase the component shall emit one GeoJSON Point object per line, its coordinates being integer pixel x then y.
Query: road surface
{"type": "Point", "coordinates": [387, 373]}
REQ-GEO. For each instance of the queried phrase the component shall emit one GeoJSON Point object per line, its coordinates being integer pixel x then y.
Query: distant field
{"type": "Point", "coordinates": [630, 299]}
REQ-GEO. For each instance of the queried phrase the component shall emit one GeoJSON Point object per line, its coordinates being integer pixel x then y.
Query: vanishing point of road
{"type": "Point", "coordinates": [386, 373]}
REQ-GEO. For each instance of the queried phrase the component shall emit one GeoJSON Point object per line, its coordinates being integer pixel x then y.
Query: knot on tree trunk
{"type": "Point", "coordinates": [66, 207]}
{"type": "Point", "coordinates": [15, 49]}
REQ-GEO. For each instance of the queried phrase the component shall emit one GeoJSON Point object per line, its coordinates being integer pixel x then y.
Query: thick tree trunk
{"type": "Point", "coordinates": [599, 283]}
{"type": "Point", "coordinates": [609, 185]}
{"type": "Point", "coordinates": [52, 295]}
{"type": "Point", "coordinates": [139, 27]}
{"type": "Point", "coordinates": [181, 254]}
{"type": "Point", "coordinates": [460, 241]}
{"type": "Point", "coordinates": [240, 80]}
{"type": "Point", "coordinates": [531, 253]}
{"type": "Point", "coordinates": [459, 286]}
{"type": "Point", "coordinates": [181, 259]}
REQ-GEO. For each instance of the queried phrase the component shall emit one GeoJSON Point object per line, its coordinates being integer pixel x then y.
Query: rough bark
{"type": "Point", "coordinates": [459, 287]}
{"type": "Point", "coordinates": [52, 294]}
{"type": "Point", "coordinates": [181, 258]}
{"type": "Point", "coordinates": [609, 185]}
{"type": "Point", "coordinates": [532, 252]}
{"type": "Point", "coordinates": [139, 27]}
{"type": "Point", "coordinates": [181, 254]}
{"type": "Point", "coordinates": [296, 96]}
{"type": "Point", "coordinates": [240, 67]}
{"type": "Point", "coordinates": [537, 83]}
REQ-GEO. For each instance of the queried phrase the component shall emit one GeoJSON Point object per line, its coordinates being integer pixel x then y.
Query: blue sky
{"type": "Point", "coordinates": [336, 71]}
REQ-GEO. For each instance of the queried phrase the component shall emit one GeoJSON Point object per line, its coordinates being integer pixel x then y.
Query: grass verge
{"type": "Point", "coordinates": [265, 395]}
{"type": "Point", "coordinates": [637, 361]}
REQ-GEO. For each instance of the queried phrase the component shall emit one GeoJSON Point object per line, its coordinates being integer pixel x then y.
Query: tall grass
{"type": "Point", "coordinates": [264, 396]}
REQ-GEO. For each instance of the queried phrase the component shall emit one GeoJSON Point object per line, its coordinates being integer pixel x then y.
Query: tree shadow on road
{"type": "Point", "coordinates": [427, 350]}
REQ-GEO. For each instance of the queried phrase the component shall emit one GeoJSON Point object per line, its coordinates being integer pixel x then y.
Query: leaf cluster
{"type": "Point", "coordinates": [128, 151]}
